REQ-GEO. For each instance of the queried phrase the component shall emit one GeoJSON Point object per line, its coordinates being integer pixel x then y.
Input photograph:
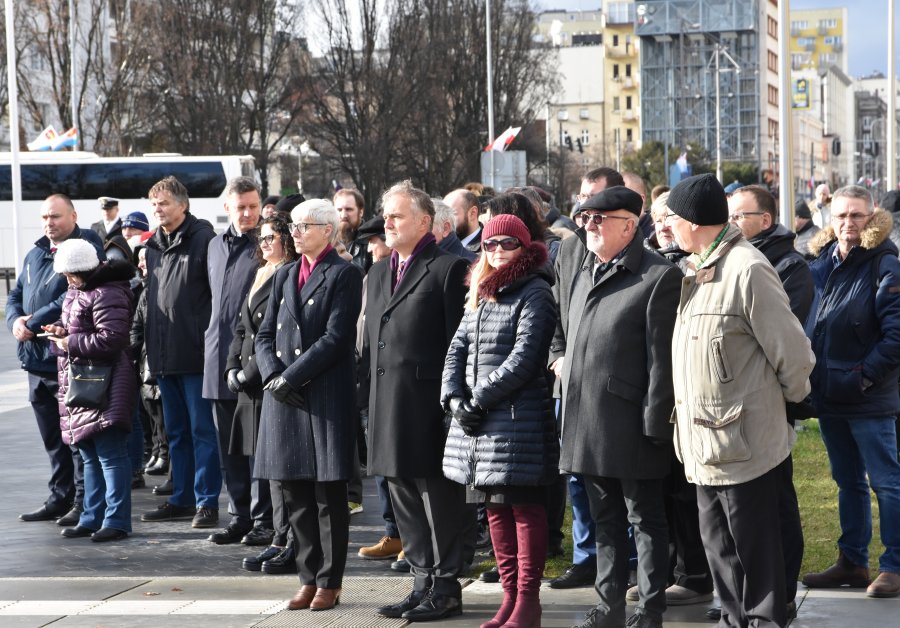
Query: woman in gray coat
{"type": "Point", "coordinates": [305, 351]}
{"type": "Point", "coordinates": [502, 438]}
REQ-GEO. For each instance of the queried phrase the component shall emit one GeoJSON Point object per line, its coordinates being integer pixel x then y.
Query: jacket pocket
{"type": "Point", "coordinates": [717, 433]}
{"type": "Point", "coordinates": [719, 360]}
{"type": "Point", "coordinates": [621, 388]}
{"type": "Point", "coordinates": [843, 380]}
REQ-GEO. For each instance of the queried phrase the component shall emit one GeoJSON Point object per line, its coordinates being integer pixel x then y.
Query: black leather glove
{"type": "Point", "coordinates": [233, 381]}
{"type": "Point", "coordinates": [282, 391]}
{"type": "Point", "coordinates": [467, 414]}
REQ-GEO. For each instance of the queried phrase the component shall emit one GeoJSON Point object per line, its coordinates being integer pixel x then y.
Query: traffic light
{"type": "Point", "coordinates": [836, 146]}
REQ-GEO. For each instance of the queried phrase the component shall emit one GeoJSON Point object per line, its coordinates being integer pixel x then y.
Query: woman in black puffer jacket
{"type": "Point", "coordinates": [502, 436]}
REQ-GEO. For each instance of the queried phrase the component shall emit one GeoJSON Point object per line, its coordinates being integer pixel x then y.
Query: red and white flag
{"type": "Point", "coordinates": [504, 139]}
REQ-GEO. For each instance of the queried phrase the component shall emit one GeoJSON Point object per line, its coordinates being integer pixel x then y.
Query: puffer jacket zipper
{"type": "Point", "coordinates": [473, 446]}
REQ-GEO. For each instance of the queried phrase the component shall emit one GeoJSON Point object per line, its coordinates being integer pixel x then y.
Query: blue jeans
{"type": "Point", "coordinates": [857, 447]}
{"type": "Point", "coordinates": [107, 481]}
{"type": "Point", "coordinates": [584, 548]}
{"type": "Point", "coordinates": [193, 445]}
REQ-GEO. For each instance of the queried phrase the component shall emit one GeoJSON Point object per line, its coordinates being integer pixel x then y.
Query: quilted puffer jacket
{"type": "Point", "coordinates": [497, 359]}
{"type": "Point", "coordinates": [97, 317]}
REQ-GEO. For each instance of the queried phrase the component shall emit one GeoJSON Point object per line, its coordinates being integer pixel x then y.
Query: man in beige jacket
{"type": "Point", "coordinates": [738, 354]}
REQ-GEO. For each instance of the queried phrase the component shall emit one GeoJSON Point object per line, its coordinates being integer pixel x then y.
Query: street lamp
{"type": "Point", "coordinates": [718, 51]}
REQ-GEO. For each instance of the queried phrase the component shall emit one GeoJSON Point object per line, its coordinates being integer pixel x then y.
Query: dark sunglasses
{"type": "Point", "coordinates": [598, 219]}
{"type": "Point", "coordinates": [507, 244]}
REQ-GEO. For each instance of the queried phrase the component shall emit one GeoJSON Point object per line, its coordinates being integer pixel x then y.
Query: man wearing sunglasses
{"type": "Point", "coordinates": [617, 400]}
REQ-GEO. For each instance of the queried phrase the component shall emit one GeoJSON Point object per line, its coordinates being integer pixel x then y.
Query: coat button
{"type": "Point", "coordinates": [282, 300]}
{"type": "Point", "coordinates": [298, 326]}
{"type": "Point", "coordinates": [380, 371]}
{"type": "Point", "coordinates": [385, 318]}
{"type": "Point", "coordinates": [381, 344]}
{"type": "Point", "coordinates": [278, 354]}
{"type": "Point", "coordinates": [310, 302]}
{"type": "Point", "coordinates": [259, 315]}
{"type": "Point", "coordinates": [279, 325]}
{"type": "Point", "coordinates": [296, 351]}
{"type": "Point", "coordinates": [252, 336]}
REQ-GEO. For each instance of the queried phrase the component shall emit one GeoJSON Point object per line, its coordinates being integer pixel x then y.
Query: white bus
{"type": "Point", "coordinates": [84, 177]}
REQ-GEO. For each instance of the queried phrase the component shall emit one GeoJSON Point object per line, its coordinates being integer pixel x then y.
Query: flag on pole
{"type": "Point", "coordinates": [504, 139]}
{"type": "Point", "coordinates": [69, 138]}
{"type": "Point", "coordinates": [44, 141]}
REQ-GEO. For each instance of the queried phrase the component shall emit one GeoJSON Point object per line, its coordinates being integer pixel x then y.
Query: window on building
{"type": "Point", "coordinates": [615, 103]}
{"type": "Point", "coordinates": [585, 137]}
{"type": "Point", "coordinates": [587, 39]}
{"type": "Point", "coordinates": [628, 70]}
{"type": "Point", "coordinates": [773, 95]}
{"type": "Point", "coordinates": [615, 40]}
{"type": "Point", "coordinates": [620, 12]}
{"type": "Point", "coordinates": [773, 128]}
{"type": "Point", "coordinates": [628, 102]}
{"type": "Point", "coordinates": [615, 71]}
{"type": "Point", "coordinates": [629, 135]}
{"type": "Point", "coordinates": [584, 114]}
{"type": "Point", "coordinates": [773, 61]}
{"type": "Point", "coordinates": [831, 23]}
{"type": "Point", "coordinates": [772, 27]}
{"type": "Point", "coordinates": [806, 41]}
{"type": "Point", "coordinates": [799, 25]}
{"type": "Point", "coordinates": [799, 60]}
{"type": "Point", "coordinates": [36, 59]}
{"type": "Point", "coordinates": [827, 58]}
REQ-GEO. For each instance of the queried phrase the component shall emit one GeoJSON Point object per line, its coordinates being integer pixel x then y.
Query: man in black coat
{"type": "Point", "coordinates": [616, 432]}
{"type": "Point", "coordinates": [752, 210]}
{"type": "Point", "coordinates": [351, 207]}
{"type": "Point", "coordinates": [465, 210]}
{"type": "Point", "coordinates": [567, 264]}
{"type": "Point", "coordinates": [232, 265]}
{"type": "Point", "coordinates": [36, 300]}
{"type": "Point", "coordinates": [414, 303]}
{"type": "Point", "coordinates": [179, 303]}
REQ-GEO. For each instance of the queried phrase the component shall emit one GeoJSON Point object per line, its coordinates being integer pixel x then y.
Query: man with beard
{"type": "Point", "coordinates": [465, 210]}
{"type": "Point", "coordinates": [350, 206]}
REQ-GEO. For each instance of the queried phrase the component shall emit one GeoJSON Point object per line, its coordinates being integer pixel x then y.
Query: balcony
{"type": "Point", "coordinates": [620, 52]}
{"type": "Point", "coordinates": [629, 83]}
{"type": "Point", "coordinates": [629, 115]}
{"type": "Point", "coordinates": [837, 47]}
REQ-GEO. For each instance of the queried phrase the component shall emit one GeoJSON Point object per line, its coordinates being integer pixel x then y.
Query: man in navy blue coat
{"type": "Point", "coordinates": [37, 300]}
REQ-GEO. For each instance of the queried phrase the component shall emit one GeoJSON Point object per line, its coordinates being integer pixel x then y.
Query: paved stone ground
{"type": "Point", "coordinates": [168, 575]}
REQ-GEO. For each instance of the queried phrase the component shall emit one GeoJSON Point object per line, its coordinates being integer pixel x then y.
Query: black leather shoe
{"type": "Point", "coordinates": [160, 466]}
{"type": "Point", "coordinates": [254, 563]}
{"type": "Point", "coordinates": [408, 603]}
{"type": "Point", "coordinates": [165, 488]}
{"type": "Point", "coordinates": [232, 533]}
{"type": "Point", "coordinates": [714, 613]}
{"type": "Point", "coordinates": [77, 532]}
{"type": "Point", "coordinates": [258, 535]}
{"type": "Point", "coordinates": [576, 576]}
{"type": "Point", "coordinates": [71, 518]}
{"type": "Point", "coordinates": [435, 607]}
{"type": "Point", "coordinates": [108, 534]}
{"type": "Point", "coordinates": [47, 512]}
{"type": "Point", "coordinates": [283, 563]}
{"type": "Point", "coordinates": [169, 512]}
{"type": "Point", "coordinates": [137, 480]}
{"type": "Point", "coordinates": [492, 575]}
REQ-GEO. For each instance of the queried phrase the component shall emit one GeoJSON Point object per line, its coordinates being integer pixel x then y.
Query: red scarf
{"type": "Point", "coordinates": [306, 268]}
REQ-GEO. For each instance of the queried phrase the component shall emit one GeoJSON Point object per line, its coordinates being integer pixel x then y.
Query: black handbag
{"type": "Point", "coordinates": [88, 385]}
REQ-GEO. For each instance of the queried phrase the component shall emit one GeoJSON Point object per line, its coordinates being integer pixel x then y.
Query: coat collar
{"type": "Point", "coordinates": [296, 302]}
{"type": "Point", "coordinates": [413, 276]}
{"type": "Point", "coordinates": [630, 262]}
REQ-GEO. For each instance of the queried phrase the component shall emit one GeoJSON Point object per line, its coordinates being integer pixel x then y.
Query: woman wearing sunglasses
{"type": "Point", "coordinates": [502, 436]}
{"type": "Point", "coordinates": [274, 248]}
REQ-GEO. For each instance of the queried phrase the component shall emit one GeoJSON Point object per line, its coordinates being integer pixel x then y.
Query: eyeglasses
{"type": "Point", "coordinates": [507, 244]}
{"type": "Point", "coordinates": [741, 215]}
{"type": "Point", "coordinates": [269, 239]}
{"type": "Point", "coordinates": [851, 217]}
{"type": "Point", "coordinates": [303, 227]}
{"type": "Point", "coordinates": [598, 219]}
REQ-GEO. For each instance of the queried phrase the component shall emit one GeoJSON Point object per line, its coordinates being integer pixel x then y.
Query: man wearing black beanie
{"type": "Point", "coordinates": [738, 355]}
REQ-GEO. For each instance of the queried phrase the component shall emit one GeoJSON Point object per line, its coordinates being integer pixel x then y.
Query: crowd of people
{"type": "Point", "coordinates": [484, 356]}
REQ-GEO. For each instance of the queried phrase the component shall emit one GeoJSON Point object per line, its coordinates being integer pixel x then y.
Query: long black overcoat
{"type": "Point", "coordinates": [617, 373]}
{"type": "Point", "coordinates": [309, 339]}
{"type": "Point", "coordinates": [408, 334]}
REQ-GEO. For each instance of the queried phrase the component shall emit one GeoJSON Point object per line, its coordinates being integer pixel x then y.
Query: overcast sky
{"type": "Point", "coordinates": [866, 30]}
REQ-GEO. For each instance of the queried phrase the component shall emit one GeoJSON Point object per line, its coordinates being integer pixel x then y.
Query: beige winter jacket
{"type": "Point", "coordinates": [738, 353]}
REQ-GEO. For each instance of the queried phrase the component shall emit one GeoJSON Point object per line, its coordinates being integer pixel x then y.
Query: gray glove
{"type": "Point", "coordinates": [282, 391]}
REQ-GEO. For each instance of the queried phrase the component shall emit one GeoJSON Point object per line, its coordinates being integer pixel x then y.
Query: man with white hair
{"type": "Point", "coordinates": [444, 231]}
{"type": "Point", "coordinates": [414, 302]}
{"type": "Point", "coordinates": [820, 206]}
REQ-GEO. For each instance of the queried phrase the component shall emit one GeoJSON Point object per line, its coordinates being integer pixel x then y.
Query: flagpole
{"type": "Point", "coordinates": [892, 106]}
{"type": "Point", "coordinates": [490, 84]}
{"type": "Point", "coordinates": [73, 98]}
{"type": "Point", "coordinates": [13, 93]}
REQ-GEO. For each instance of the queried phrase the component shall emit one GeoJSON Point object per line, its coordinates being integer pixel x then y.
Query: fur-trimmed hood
{"type": "Point", "coordinates": [877, 231]}
{"type": "Point", "coordinates": [532, 261]}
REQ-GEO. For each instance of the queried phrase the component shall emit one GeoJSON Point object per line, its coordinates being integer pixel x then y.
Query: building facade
{"type": "Point", "coordinates": [819, 39]}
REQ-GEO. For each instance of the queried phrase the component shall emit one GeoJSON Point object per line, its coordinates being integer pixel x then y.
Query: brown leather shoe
{"type": "Point", "coordinates": [841, 574]}
{"type": "Point", "coordinates": [887, 584]}
{"type": "Point", "coordinates": [303, 599]}
{"type": "Point", "coordinates": [325, 599]}
{"type": "Point", "coordinates": [387, 547]}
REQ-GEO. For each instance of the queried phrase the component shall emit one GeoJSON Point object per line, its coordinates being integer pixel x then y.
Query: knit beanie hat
{"type": "Point", "coordinates": [700, 200]}
{"type": "Point", "coordinates": [801, 209]}
{"type": "Point", "coordinates": [137, 220]}
{"type": "Point", "coordinates": [508, 225]}
{"type": "Point", "coordinates": [75, 256]}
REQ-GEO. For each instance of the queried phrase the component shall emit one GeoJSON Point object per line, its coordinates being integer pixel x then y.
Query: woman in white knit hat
{"type": "Point", "coordinates": [94, 327]}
